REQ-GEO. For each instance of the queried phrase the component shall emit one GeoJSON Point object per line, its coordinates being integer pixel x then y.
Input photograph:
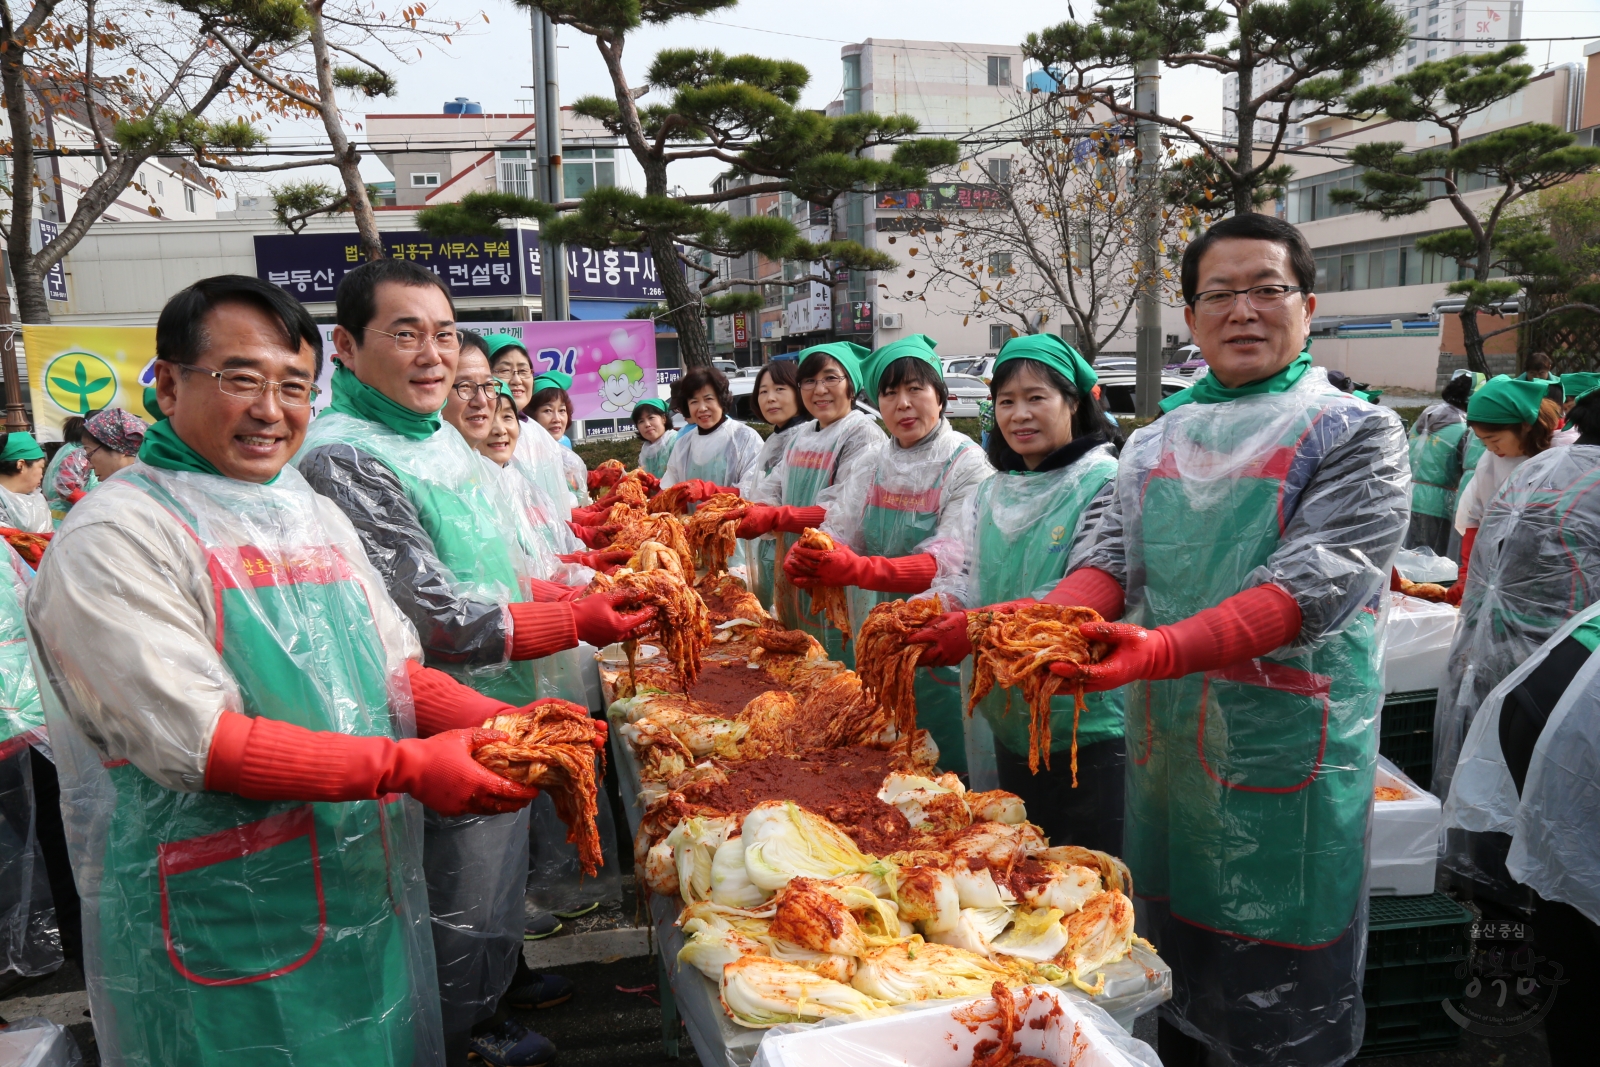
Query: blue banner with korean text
{"type": "Point", "coordinates": [595, 273]}
{"type": "Point", "coordinates": [309, 266]}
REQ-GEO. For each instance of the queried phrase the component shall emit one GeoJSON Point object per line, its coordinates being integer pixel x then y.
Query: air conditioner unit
{"type": "Point", "coordinates": [889, 322]}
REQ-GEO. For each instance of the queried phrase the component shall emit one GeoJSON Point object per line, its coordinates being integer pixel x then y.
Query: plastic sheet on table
{"type": "Point", "coordinates": [946, 1033]}
{"type": "Point", "coordinates": [36, 1042]}
{"type": "Point", "coordinates": [1424, 565]}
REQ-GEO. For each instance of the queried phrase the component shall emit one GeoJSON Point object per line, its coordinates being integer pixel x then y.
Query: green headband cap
{"type": "Point", "coordinates": [494, 342]}
{"type": "Point", "coordinates": [1054, 353]}
{"type": "Point", "coordinates": [1507, 401]}
{"type": "Point", "coordinates": [1579, 384]}
{"type": "Point", "coordinates": [21, 445]}
{"type": "Point", "coordinates": [848, 355]}
{"type": "Point", "coordinates": [502, 387]}
{"type": "Point", "coordinates": [917, 346]}
{"type": "Point", "coordinates": [653, 404]}
{"type": "Point", "coordinates": [552, 379]}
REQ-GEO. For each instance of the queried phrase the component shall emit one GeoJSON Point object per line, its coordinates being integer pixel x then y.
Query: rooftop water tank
{"type": "Point", "coordinates": [462, 106]}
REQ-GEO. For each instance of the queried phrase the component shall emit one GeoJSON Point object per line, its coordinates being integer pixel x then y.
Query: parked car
{"type": "Point", "coordinates": [726, 366]}
{"type": "Point", "coordinates": [1187, 363]}
{"type": "Point", "coordinates": [981, 367]}
{"type": "Point", "coordinates": [1116, 390]}
{"type": "Point", "coordinates": [742, 388]}
{"type": "Point", "coordinates": [965, 392]}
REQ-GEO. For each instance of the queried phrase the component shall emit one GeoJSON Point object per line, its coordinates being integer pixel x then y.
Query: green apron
{"type": "Point", "coordinates": [1472, 450]}
{"type": "Point", "coordinates": [1436, 470]}
{"type": "Point", "coordinates": [1249, 787]}
{"type": "Point", "coordinates": [807, 472]}
{"type": "Point", "coordinates": [894, 524]}
{"type": "Point", "coordinates": [1027, 523]}
{"type": "Point", "coordinates": [715, 471]}
{"type": "Point", "coordinates": [459, 505]}
{"type": "Point", "coordinates": [239, 931]}
{"type": "Point", "coordinates": [655, 457]}
{"type": "Point", "coordinates": [21, 713]}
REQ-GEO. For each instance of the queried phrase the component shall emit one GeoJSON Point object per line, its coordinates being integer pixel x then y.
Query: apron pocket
{"type": "Point", "coordinates": [1263, 727]}
{"type": "Point", "coordinates": [245, 904]}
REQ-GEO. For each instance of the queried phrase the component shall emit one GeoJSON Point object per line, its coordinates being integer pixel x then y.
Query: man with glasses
{"type": "Point", "coordinates": [1247, 550]}
{"type": "Point", "coordinates": [236, 707]}
{"type": "Point", "coordinates": [430, 517]}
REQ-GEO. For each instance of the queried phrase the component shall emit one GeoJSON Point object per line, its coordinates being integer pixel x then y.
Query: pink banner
{"type": "Point", "coordinates": [612, 362]}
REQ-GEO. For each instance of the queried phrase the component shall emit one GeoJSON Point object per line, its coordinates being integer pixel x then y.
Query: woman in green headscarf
{"type": "Point", "coordinates": [652, 421]}
{"type": "Point", "coordinates": [897, 522]}
{"type": "Point", "coordinates": [1515, 420]}
{"type": "Point", "coordinates": [22, 506]}
{"type": "Point", "coordinates": [1055, 471]}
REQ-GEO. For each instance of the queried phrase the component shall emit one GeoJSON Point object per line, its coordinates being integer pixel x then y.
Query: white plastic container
{"type": "Point", "coordinates": [1417, 644]}
{"type": "Point", "coordinates": [1405, 838]}
{"type": "Point", "coordinates": [1068, 1031]}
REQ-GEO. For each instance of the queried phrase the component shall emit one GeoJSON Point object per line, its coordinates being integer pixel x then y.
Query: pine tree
{"type": "Point", "coordinates": [1293, 60]}
{"type": "Point", "coordinates": [744, 111]}
{"type": "Point", "coordinates": [1513, 164]}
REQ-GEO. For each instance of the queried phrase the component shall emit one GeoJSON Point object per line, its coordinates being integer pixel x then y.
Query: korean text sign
{"type": "Point", "coordinates": [309, 266]}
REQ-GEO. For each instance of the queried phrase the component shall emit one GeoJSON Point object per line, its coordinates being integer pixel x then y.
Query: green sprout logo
{"type": "Point", "coordinates": [80, 382]}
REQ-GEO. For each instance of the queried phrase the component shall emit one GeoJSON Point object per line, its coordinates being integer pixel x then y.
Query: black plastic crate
{"type": "Point", "coordinates": [1407, 713]}
{"type": "Point", "coordinates": [1414, 946]}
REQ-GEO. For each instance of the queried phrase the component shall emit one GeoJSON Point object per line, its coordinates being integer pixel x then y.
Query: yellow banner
{"type": "Point", "coordinates": [73, 370]}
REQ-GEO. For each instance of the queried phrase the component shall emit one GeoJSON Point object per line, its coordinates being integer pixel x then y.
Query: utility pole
{"type": "Point", "coordinates": [1147, 384]}
{"type": "Point", "coordinates": [547, 163]}
{"type": "Point", "coordinates": [16, 413]}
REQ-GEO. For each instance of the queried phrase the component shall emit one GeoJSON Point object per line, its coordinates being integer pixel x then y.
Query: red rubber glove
{"type": "Point", "coordinates": [1454, 594]}
{"type": "Point", "coordinates": [808, 567]}
{"type": "Point", "coordinates": [946, 638]}
{"type": "Point", "coordinates": [700, 489]}
{"type": "Point", "coordinates": [442, 703]}
{"type": "Point", "coordinates": [604, 559]}
{"type": "Point", "coordinates": [1242, 627]}
{"type": "Point", "coordinates": [265, 759]}
{"type": "Point", "coordinates": [593, 515]}
{"type": "Point", "coordinates": [594, 536]}
{"type": "Point", "coordinates": [1089, 587]}
{"type": "Point", "coordinates": [600, 623]}
{"type": "Point", "coordinates": [543, 592]}
{"type": "Point", "coordinates": [763, 519]}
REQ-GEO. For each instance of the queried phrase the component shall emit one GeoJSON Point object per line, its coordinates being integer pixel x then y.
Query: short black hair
{"type": "Point", "coordinates": [1087, 420]}
{"type": "Point", "coordinates": [544, 396]}
{"type": "Point", "coordinates": [781, 372]}
{"type": "Point", "coordinates": [1585, 415]}
{"type": "Point", "coordinates": [1537, 361]}
{"type": "Point", "coordinates": [909, 370]}
{"type": "Point", "coordinates": [813, 366]}
{"type": "Point", "coordinates": [72, 430]}
{"type": "Point", "coordinates": [181, 335]}
{"type": "Point", "coordinates": [696, 379]}
{"type": "Point", "coordinates": [1251, 227]}
{"type": "Point", "coordinates": [357, 299]}
{"type": "Point", "coordinates": [473, 339]}
{"type": "Point", "coordinates": [1458, 391]}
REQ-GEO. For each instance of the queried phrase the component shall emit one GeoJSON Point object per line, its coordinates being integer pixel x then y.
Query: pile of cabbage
{"type": "Point", "coordinates": [796, 924]}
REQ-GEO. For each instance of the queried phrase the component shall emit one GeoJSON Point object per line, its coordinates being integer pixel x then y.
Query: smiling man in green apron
{"type": "Point", "coordinates": [1250, 533]}
{"type": "Point", "coordinates": [237, 707]}
{"type": "Point", "coordinates": [433, 523]}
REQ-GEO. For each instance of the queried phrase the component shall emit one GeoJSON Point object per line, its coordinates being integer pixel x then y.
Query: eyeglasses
{"type": "Point", "coordinates": [826, 381]}
{"type": "Point", "coordinates": [247, 386]}
{"type": "Point", "coordinates": [467, 390]}
{"type": "Point", "coordinates": [1259, 297]}
{"type": "Point", "coordinates": [413, 340]}
{"type": "Point", "coordinates": [520, 372]}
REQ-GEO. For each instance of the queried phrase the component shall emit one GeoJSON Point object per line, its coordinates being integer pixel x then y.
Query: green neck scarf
{"type": "Point", "coordinates": [1210, 391]}
{"type": "Point", "coordinates": [356, 398]}
{"type": "Point", "coordinates": [165, 449]}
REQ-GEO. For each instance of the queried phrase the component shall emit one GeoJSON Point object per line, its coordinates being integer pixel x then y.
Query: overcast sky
{"type": "Point", "coordinates": [491, 63]}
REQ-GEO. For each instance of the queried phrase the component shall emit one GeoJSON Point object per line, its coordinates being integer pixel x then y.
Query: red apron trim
{"type": "Point", "coordinates": [1272, 465]}
{"type": "Point", "coordinates": [809, 460]}
{"type": "Point", "coordinates": [926, 501]}
{"type": "Point", "coordinates": [249, 566]}
{"type": "Point", "coordinates": [1268, 676]}
{"type": "Point", "coordinates": [113, 764]}
{"type": "Point", "coordinates": [177, 857]}
{"type": "Point", "coordinates": [1262, 940]}
{"type": "Point", "coordinates": [12, 745]}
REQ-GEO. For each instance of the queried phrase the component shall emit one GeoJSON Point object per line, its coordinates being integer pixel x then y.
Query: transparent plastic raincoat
{"type": "Point", "coordinates": [906, 502]}
{"type": "Point", "coordinates": [655, 455]}
{"type": "Point", "coordinates": [219, 929]}
{"type": "Point", "coordinates": [438, 524]}
{"type": "Point", "coordinates": [27, 512]}
{"type": "Point", "coordinates": [1551, 825]}
{"type": "Point", "coordinates": [1250, 788]}
{"type": "Point", "coordinates": [576, 474]}
{"type": "Point", "coordinates": [1435, 447]}
{"type": "Point", "coordinates": [1020, 530]}
{"type": "Point", "coordinates": [69, 473]}
{"type": "Point", "coordinates": [721, 456]}
{"type": "Point", "coordinates": [1536, 563]}
{"type": "Point", "coordinates": [763, 550]}
{"type": "Point", "coordinates": [812, 472]}
{"type": "Point", "coordinates": [539, 456]}
{"type": "Point", "coordinates": [30, 943]}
